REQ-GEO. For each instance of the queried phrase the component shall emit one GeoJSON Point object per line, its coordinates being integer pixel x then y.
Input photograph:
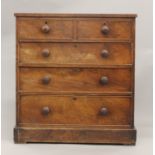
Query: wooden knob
{"type": "Point", "coordinates": [104, 53]}
{"type": "Point", "coordinates": [45, 110]}
{"type": "Point", "coordinates": [45, 53]}
{"type": "Point", "coordinates": [46, 80]}
{"type": "Point", "coordinates": [104, 80]}
{"type": "Point", "coordinates": [103, 111]}
{"type": "Point", "coordinates": [105, 29]}
{"type": "Point", "coordinates": [45, 28]}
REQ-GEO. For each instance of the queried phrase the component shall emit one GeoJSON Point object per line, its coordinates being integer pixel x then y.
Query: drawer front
{"type": "Point", "coordinates": [44, 28]}
{"type": "Point", "coordinates": [76, 53]}
{"type": "Point", "coordinates": [100, 29]}
{"type": "Point", "coordinates": [75, 79]}
{"type": "Point", "coordinates": [83, 110]}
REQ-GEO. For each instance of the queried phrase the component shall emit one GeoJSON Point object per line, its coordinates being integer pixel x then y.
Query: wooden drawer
{"type": "Point", "coordinates": [102, 29]}
{"type": "Point", "coordinates": [75, 79]}
{"type": "Point", "coordinates": [45, 28]}
{"type": "Point", "coordinates": [83, 110]}
{"type": "Point", "coordinates": [75, 53]}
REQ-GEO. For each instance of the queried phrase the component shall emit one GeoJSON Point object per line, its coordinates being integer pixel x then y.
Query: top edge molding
{"type": "Point", "coordinates": [75, 15]}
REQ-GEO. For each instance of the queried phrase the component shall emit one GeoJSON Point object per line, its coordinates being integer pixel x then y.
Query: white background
{"type": "Point", "coordinates": [143, 89]}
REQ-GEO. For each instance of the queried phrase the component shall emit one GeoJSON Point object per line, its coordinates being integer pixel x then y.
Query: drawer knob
{"type": "Point", "coordinates": [104, 80]}
{"type": "Point", "coordinates": [104, 53]}
{"type": "Point", "coordinates": [45, 28]}
{"type": "Point", "coordinates": [105, 29]}
{"type": "Point", "coordinates": [45, 110]}
{"type": "Point", "coordinates": [103, 111]}
{"type": "Point", "coordinates": [46, 80]}
{"type": "Point", "coordinates": [45, 53]}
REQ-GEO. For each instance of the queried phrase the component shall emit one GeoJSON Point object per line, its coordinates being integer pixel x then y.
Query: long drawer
{"type": "Point", "coordinates": [69, 109]}
{"type": "Point", "coordinates": [114, 53]}
{"type": "Point", "coordinates": [75, 79]}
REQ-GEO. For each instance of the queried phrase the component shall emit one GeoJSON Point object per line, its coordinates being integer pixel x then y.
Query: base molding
{"type": "Point", "coordinates": [75, 135]}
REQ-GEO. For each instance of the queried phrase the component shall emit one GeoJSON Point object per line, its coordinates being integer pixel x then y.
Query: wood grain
{"type": "Point", "coordinates": [89, 29]}
{"type": "Point", "coordinates": [75, 79]}
{"type": "Point", "coordinates": [75, 135]}
{"type": "Point", "coordinates": [75, 53]}
{"type": "Point", "coordinates": [30, 28]}
{"type": "Point", "coordinates": [73, 109]}
{"type": "Point", "coordinates": [60, 97]}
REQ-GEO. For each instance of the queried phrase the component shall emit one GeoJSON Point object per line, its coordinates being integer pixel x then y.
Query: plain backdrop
{"type": "Point", "coordinates": [143, 76]}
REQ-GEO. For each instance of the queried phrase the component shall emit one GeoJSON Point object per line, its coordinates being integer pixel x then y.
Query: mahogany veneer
{"type": "Point", "coordinates": [75, 78]}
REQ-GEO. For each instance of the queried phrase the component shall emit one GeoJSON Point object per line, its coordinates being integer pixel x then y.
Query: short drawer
{"type": "Point", "coordinates": [76, 53]}
{"type": "Point", "coordinates": [75, 79]}
{"type": "Point", "coordinates": [102, 29]}
{"type": "Point", "coordinates": [83, 110]}
{"type": "Point", "coordinates": [44, 28]}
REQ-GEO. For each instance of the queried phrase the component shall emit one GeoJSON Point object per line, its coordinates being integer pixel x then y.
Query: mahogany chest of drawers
{"type": "Point", "coordinates": [75, 78]}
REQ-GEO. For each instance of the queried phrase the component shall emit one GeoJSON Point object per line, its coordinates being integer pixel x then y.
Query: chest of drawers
{"type": "Point", "coordinates": [75, 78]}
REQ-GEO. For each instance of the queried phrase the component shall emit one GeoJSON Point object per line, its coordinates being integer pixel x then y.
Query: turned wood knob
{"type": "Point", "coordinates": [46, 80]}
{"type": "Point", "coordinates": [45, 110]}
{"type": "Point", "coordinates": [104, 80]}
{"type": "Point", "coordinates": [45, 28]}
{"type": "Point", "coordinates": [103, 111]}
{"type": "Point", "coordinates": [45, 53]}
{"type": "Point", "coordinates": [105, 29]}
{"type": "Point", "coordinates": [104, 53]}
